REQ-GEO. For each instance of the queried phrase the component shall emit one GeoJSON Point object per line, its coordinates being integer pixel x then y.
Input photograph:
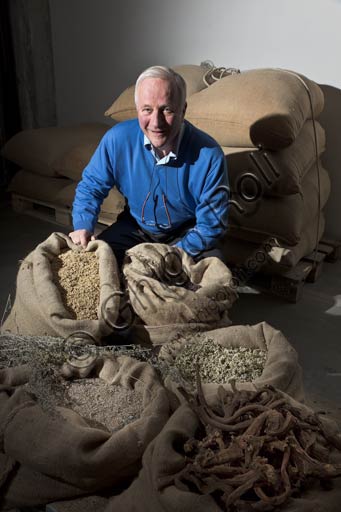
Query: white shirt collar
{"type": "Point", "coordinates": [171, 155]}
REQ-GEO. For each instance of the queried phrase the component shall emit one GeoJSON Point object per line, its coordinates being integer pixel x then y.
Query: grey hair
{"type": "Point", "coordinates": [165, 74]}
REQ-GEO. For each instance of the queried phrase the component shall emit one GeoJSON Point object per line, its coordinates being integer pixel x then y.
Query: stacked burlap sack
{"type": "Point", "coordinates": [51, 162]}
{"type": "Point", "coordinates": [265, 121]}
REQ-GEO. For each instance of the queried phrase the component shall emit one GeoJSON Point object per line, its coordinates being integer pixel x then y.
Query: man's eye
{"type": "Point", "coordinates": [146, 110]}
{"type": "Point", "coordinates": [168, 110]}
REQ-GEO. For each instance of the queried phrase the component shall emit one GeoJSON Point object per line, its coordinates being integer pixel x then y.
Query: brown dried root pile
{"type": "Point", "coordinates": [255, 450]}
{"type": "Point", "coordinates": [75, 274]}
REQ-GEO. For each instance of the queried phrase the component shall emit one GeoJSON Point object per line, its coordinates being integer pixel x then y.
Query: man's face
{"type": "Point", "coordinates": [159, 113]}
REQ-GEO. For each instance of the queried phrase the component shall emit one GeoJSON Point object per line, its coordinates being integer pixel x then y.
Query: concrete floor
{"type": "Point", "coordinates": [313, 325]}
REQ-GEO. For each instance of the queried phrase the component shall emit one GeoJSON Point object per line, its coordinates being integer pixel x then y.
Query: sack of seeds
{"type": "Point", "coordinates": [267, 452]}
{"type": "Point", "coordinates": [168, 289]}
{"type": "Point", "coordinates": [62, 288]}
{"type": "Point", "coordinates": [249, 356]}
{"type": "Point", "coordinates": [63, 439]}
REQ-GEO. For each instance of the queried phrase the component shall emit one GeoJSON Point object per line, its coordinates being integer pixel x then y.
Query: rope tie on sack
{"type": "Point", "coordinates": [214, 73]}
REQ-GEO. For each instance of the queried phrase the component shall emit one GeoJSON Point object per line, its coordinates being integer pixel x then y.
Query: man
{"type": "Point", "coordinates": [172, 175]}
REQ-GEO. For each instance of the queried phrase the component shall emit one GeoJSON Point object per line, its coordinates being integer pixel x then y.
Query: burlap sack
{"type": "Point", "coordinates": [166, 287]}
{"type": "Point", "coordinates": [280, 217]}
{"type": "Point", "coordinates": [282, 258]}
{"type": "Point", "coordinates": [36, 186]}
{"type": "Point", "coordinates": [260, 107]}
{"type": "Point", "coordinates": [123, 107]}
{"type": "Point", "coordinates": [38, 308]}
{"type": "Point", "coordinates": [36, 150]}
{"type": "Point", "coordinates": [47, 457]}
{"type": "Point", "coordinates": [278, 172]}
{"type": "Point", "coordinates": [113, 204]}
{"type": "Point", "coordinates": [71, 164]}
{"type": "Point", "coordinates": [282, 369]}
{"type": "Point", "coordinates": [273, 257]}
{"type": "Point", "coordinates": [164, 459]}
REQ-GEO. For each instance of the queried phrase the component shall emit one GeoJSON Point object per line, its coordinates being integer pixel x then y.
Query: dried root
{"type": "Point", "coordinates": [255, 450]}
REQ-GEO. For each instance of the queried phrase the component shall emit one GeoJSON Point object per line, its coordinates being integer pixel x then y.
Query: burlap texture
{"type": "Point", "coordinates": [283, 258]}
{"type": "Point", "coordinates": [37, 149]}
{"type": "Point", "coordinates": [38, 308]}
{"type": "Point", "coordinates": [259, 107]}
{"type": "Point", "coordinates": [59, 192]}
{"type": "Point", "coordinates": [275, 258]}
{"type": "Point", "coordinates": [113, 204]}
{"type": "Point", "coordinates": [163, 458]}
{"type": "Point", "coordinates": [281, 217]}
{"type": "Point", "coordinates": [53, 457]}
{"type": "Point", "coordinates": [151, 272]}
{"type": "Point", "coordinates": [124, 108]}
{"type": "Point", "coordinates": [282, 369]}
{"type": "Point", "coordinates": [35, 186]}
{"type": "Point", "coordinates": [278, 172]}
{"type": "Point", "coordinates": [72, 162]}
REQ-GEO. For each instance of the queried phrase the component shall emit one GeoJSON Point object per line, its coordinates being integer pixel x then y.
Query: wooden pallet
{"type": "Point", "coordinates": [289, 286]}
{"type": "Point", "coordinates": [50, 212]}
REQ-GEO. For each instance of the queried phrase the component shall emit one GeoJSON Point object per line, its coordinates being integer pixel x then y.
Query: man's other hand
{"type": "Point", "coordinates": [81, 237]}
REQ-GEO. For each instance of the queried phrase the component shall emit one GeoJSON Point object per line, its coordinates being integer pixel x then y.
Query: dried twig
{"type": "Point", "coordinates": [257, 451]}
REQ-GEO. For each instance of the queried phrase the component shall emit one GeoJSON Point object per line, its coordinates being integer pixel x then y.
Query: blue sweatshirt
{"type": "Point", "coordinates": [160, 197]}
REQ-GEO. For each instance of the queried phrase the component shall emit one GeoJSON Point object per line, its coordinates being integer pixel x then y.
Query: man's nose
{"type": "Point", "coordinates": [157, 118]}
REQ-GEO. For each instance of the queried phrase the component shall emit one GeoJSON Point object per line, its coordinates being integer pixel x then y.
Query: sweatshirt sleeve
{"type": "Point", "coordinates": [211, 211]}
{"type": "Point", "coordinates": [97, 180]}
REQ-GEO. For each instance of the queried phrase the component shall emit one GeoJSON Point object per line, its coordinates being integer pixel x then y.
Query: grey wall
{"type": "Point", "coordinates": [100, 48]}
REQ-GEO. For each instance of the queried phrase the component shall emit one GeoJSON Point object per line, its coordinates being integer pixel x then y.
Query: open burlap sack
{"type": "Point", "coordinates": [38, 308]}
{"type": "Point", "coordinates": [37, 149]}
{"type": "Point", "coordinates": [277, 172]}
{"type": "Point", "coordinates": [164, 458]}
{"type": "Point", "coordinates": [259, 107]}
{"type": "Point", "coordinates": [46, 457]}
{"type": "Point", "coordinates": [167, 288]}
{"type": "Point", "coordinates": [282, 369]}
{"type": "Point", "coordinates": [124, 108]}
{"type": "Point", "coordinates": [281, 217]}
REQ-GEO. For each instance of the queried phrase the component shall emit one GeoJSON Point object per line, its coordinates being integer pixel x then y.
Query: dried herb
{"type": "Point", "coordinates": [254, 450]}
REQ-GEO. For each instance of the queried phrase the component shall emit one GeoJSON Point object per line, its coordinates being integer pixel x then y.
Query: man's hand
{"type": "Point", "coordinates": [81, 237]}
